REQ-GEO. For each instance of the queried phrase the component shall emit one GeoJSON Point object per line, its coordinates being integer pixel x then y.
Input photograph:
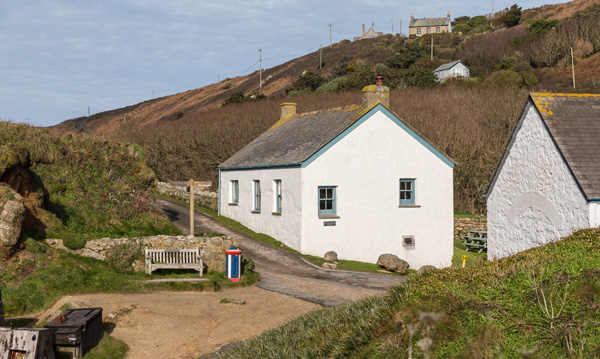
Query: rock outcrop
{"type": "Point", "coordinates": [392, 263]}
{"type": "Point", "coordinates": [12, 214]}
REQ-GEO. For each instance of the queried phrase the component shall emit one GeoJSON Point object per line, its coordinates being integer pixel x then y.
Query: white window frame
{"type": "Point", "coordinates": [234, 187]}
{"type": "Point", "coordinates": [277, 196]}
{"type": "Point", "coordinates": [257, 196]}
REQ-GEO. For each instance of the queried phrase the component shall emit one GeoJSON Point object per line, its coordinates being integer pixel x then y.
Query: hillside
{"type": "Point", "coordinates": [189, 134]}
{"type": "Point", "coordinates": [541, 303]}
{"type": "Point", "coordinates": [76, 187]}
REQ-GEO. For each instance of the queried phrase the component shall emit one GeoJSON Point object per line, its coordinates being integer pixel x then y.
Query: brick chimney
{"type": "Point", "coordinates": [363, 35]}
{"type": "Point", "coordinates": [374, 94]}
{"type": "Point", "coordinates": [288, 109]}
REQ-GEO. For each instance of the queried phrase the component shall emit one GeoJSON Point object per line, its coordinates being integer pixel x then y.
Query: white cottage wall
{"type": "Point", "coordinates": [285, 226]}
{"type": "Point", "coordinates": [366, 166]}
{"type": "Point", "coordinates": [594, 214]}
{"type": "Point", "coordinates": [535, 199]}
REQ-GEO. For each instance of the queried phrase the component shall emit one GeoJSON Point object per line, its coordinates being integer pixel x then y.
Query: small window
{"type": "Point", "coordinates": [257, 195]}
{"type": "Point", "coordinates": [277, 196]}
{"type": "Point", "coordinates": [418, 31]}
{"type": "Point", "coordinates": [437, 29]}
{"type": "Point", "coordinates": [327, 200]}
{"type": "Point", "coordinates": [235, 192]}
{"type": "Point", "coordinates": [407, 192]}
{"type": "Point", "coordinates": [429, 30]}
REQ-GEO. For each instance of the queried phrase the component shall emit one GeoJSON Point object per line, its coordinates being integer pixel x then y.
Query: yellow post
{"type": "Point", "coordinates": [191, 207]}
{"type": "Point", "coordinates": [464, 258]}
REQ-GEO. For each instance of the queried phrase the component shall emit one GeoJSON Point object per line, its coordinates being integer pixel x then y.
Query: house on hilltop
{"type": "Point", "coordinates": [451, 70]}
{"type": "Point", "coordinates": [369, 34]}
{"type": "Point", "coordinates": [357, 180]}
{"type": "Point", "coordinates": [437, 25]}
{"type": "Point", "coordinates": [547, 184]}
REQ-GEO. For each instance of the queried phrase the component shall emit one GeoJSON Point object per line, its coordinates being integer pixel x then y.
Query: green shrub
{"type": "Point", "coordinates": [540, 26]}
{"type": "Point", "coordinates": [336, 84]}
{"type": "Point", "coordinates": [503, 78]}
{"type": "Point", "coordinates": [309, 81]}
{"type": "Point", "coordinates": [108, 348]}
{"type": "Point", "coordinates": [512, 16]}
{"type": "Point", "coordinates": [74, 243]}
{"type": "Point", "coordinates": [247, 265]}
{"type": "Point", "coordinates": [528, 78]}
{"type": "Point", "coordinates": [522, 66]}
{"type": "Point", "coordinates": [507, 63]}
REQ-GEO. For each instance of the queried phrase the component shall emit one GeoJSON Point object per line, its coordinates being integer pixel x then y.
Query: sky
{"type": "Point", "coordinates": [60, 59]}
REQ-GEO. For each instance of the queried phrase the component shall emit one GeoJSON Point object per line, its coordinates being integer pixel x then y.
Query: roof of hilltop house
{"type": "Point", "coordinates": [573, 121]}
{"type": "Point", "coordinates": [295, 139]}
{"type": "Point", "coordinates": [436, 21]}
{"type": "Point", "coordinates": [447, 66]}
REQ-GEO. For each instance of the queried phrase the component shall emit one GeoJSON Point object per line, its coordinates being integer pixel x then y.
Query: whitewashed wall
{"type": "Point", "coordinates": [366, 166]}
{"type": "Point", "coordinates": [535, 199]}
{"type": "Point", "coordinates": [284, 227]}
{"type": "Point", "coordinates": [594, 215]}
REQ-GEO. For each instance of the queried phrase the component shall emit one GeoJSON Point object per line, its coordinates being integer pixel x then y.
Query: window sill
{"type": "Point", "coordinates": [233, 204]}
{"type": "Point", "coordinates": [328, 216]}
{"type": "Point", "coordinates": [255, 211]}
{"type": "Point", "coordinates": [409, 206]}
{"type": "Point", "coordinates": [276, 213]}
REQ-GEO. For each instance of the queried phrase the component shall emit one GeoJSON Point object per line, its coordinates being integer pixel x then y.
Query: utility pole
{"type": "Point", "coordinates": [431, 47]}
{"type": "Point", "coordinates": [153, 94]}
{"type": "Point", "coordinates": [573, 66]}
{"type": "Point", "coordinates": [330, 35]}
{"type": "Point", "coordinates": [392, 27]}
{"type": "Point", "coordinates": [88, 111]}
{"type": "Point", "coordinates": [320, 55]}
{"type": "Point", "coordinates": [492, 8]}
{"type": "Point", "coordinates": [191, 207]}
{"type": "Point", "coordinates": [400, 32]}
{"type": "Point", "coordinates": [260, 69]}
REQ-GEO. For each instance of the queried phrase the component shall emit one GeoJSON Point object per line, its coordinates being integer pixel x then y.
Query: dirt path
{"type": "Point", "coordinates": [175, 325]}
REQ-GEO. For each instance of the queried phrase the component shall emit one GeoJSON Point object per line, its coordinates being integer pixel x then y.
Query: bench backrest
{"type": "Point", "coordinates": [181, 256]}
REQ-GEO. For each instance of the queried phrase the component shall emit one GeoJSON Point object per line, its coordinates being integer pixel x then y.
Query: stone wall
{"type": "Point", "coordinates": [212, 249]}
{"type": "Point", "coordinates": [202, 197]}
{"type": "Point", "coordinates": [464, 224]}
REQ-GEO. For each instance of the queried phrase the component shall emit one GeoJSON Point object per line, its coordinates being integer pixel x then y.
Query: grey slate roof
{"type": "Point", "coordinates": [574, 122]}
{"type": "Point", "coordinates": [447, 66]}
{"type": "Point", "coordinates": [435, 21]}
{"type": "Point", "coordinates": [292, 141]}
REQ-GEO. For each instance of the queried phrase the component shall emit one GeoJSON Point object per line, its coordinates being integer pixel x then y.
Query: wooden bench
{"type": "Point", "coordinates": [173, 259]}
{"type": "Point", "coordinates": [475, 241]}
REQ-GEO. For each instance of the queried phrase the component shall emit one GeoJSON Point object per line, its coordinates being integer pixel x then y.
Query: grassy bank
{"type": "Point", "coordinates": [42, 275]}
{"type": "Point", "coordinates": [542, 303]}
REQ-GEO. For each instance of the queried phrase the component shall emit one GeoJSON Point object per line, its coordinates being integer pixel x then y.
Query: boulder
{"type": "Point", "coordinates": [330, 256]}
{"type": "Point", "coordinates": [426, 268]}
{"type": "Point", "coordinates": [12, 214]}
{"type": "Point", "coordinates": [392, 263]}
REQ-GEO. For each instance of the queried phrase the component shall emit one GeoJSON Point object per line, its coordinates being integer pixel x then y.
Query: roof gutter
{"type": "Point", "coordinates": [594, 199]}
{"type": "Point", "coordinates": [260, 167]}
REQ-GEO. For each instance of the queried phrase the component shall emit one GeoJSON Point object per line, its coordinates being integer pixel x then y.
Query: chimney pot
{"type": "Point", "coordinates": [288, 109]}
{"type": "Point", "coordinates": [374, 94]}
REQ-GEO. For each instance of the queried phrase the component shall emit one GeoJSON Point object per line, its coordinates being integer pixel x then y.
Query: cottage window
{"type": "Point", "coordinates": [257, 195]}
{"type": "Point", "coordinates": [235, 192]}
{"type": "Point", "coordinates": [437, 30]}
{"type": "Point", "coordinates": [407, 192]}
{"type": "Point", "coordinates": [277, 191]}
{"type": "Point", "coordinates": [429, 30]}
{"type": "Point", "coordinates": [327, 205]}
{"type": "Point", "coordinates": [418, 31]}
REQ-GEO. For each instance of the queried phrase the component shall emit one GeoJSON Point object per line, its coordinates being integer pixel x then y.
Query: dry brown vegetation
{"type": "Point", "coordinates": [472, 125]}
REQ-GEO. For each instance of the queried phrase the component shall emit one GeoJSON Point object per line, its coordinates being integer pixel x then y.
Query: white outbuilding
{"type": "Point", "coordinates": [452, 69]}
{"type": "Point", "coordinates": [356, 180]}
{"type": "Point", "coordinates": [547, 184]}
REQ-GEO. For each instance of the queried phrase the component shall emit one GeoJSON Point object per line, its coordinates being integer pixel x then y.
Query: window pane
{"type": "Point", "coordinates": [408, 186]}
{"type": "Point", "coordinates": [329, 204]}
{"type": "Point", "coordinates": [322, 193]}
{"type": "Point", "coordinates": [321, 204]}
{"type": "Point", "coordinates": [402, 186]}
{"type": "Point", "coordinates": [408, 195]}
{"type": "Point", "coordinates": [329, 193]}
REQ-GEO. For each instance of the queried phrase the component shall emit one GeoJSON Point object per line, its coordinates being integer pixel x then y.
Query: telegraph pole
{"type": "Point", "coordinates": [320, 55]}
{"type": "Point", "coordinates": [492, 9]}
{"type": "Point", "coordinates": [192, 207]}
{"type": "Point", "coordinates": [330, 35]}
{"type": "Point", "coordinates": [260, 69]}
{"type": "Point", "coordinates": [88, 111]}
{"type": "Point", "coordinates": [573, 66]}
{"type": "Point", "coordinates": [392, 27]}
{"type": "Point", "coordinates": [431, 47]}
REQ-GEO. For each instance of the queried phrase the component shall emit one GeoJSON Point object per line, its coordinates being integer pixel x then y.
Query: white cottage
{"type": "Point", "coordinates": [451, 70]}
{"type": "Point", "coordinates": [356, 180]}
{"type": "Point", "coordinates": [547, 184]}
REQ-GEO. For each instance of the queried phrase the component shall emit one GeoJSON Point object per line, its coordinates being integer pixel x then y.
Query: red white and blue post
{"type": "Point", "coordinates": [234, 263]}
